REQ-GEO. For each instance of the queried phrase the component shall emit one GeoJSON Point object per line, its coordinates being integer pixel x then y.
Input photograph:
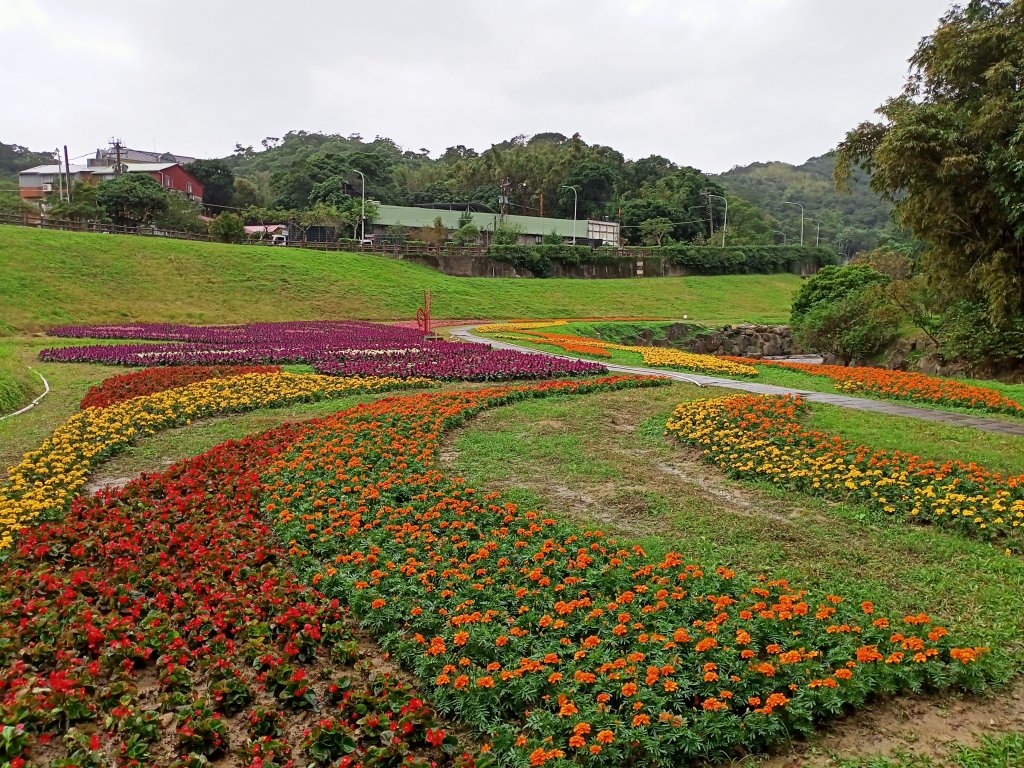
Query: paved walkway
{"type": "Point", "coordinates": [465, 332]}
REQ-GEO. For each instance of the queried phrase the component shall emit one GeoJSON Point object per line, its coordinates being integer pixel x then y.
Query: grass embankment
{"type": "Point", "coordinates": [603, 461]}
{"type": "Point", "coordinates": [18, 385]}
{"type": "Point", "coordinates": [48, 278]}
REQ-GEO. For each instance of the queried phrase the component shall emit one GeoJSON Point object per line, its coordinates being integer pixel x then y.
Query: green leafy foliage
{"type": "Point", "coordinates": [227, 228]}
{"type": "Point", "coordinates": [948, 155]}
{"type": "Point", "coordinates": [218, 182]}
{"type": "Point", "coordinates": [843, 311]}
{"type": "Point", "coordinates": [832, 284]}
{"type": "Point", "coordinates": [131, 199]}
{"type": "Point", "coordinates": [855, 219]}
{"type": "Point", "coordinates": [83, 206]}
{"type": "Point", "coordinates": [697, 260]}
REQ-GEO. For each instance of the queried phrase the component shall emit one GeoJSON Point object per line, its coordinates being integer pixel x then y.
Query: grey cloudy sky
{"type": "Point", "coordinates": [709, 83]}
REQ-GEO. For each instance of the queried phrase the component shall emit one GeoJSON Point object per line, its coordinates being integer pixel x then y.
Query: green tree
{"type": "Point", "coordinates": [552, 238]}
{"type": "Point", "coordinates": [949, 154]}
{"type": "Point", "coordinates": [467, 234]}
{"type": "Point", "coordinates": [218, 182]}
{"type": "Point", "coordinates": [437, 234]}
{"type": "Point", "coordinates": [11, 204]}
{"type": "Point", "coordinates": [832, 284]}
{"type": "Point", "coordinates": [844, 311]}
{"type": "Point", "coordinates": [247, 193]}
{"type": "Point", "coordinates": [227, 228]}
{"type": "Point", "coordinates": [351, 211]}
{"type": "Point", "coordinates": [131, 199]}
{"type": "Point", "coordinates": [654, 231]}
{"type": "Point", "coordinates": [506, 234]}
{"type": "Point", "coordinates": [182, 215]}
{"type": "Point", "coordinates": [83, 206]}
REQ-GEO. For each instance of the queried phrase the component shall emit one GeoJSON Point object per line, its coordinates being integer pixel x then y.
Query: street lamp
{"type": "Point", "coordinates": [725, 221]}
{"type": "Point", "coordinates": [817, 232]}
{"type": "Point", "coordinates": [362, 209]}
{"type": "Point", "coordinates": [780, 232]}
{"type": "Point", "coordinates": [801, 219]}
{"type": "Point", "coordinates": [575, 199]}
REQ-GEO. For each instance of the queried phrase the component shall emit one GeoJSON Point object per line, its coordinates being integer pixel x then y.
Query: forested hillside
{"type": "Point", "coordinates": [854, 219]}
{"type": "Point", "coordinates": [312, 177]}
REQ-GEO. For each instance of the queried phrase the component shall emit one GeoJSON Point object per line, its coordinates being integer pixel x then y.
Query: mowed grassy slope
{"type": "Point", "coordinates": [48, 278]}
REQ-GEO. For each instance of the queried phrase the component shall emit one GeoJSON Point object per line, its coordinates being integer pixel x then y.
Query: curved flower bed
{"type": "Point", "coordinates": [760, 436]}
{"type": "Point", "coordinates": [904, 385]}
{"type": "Point", "coordinates": [662, 357]}
{"type": "Point", "coordinates": [561, 646]}
{"type": "Point", "coordinates": [161, 625]}
{"type": "Point", "coordinates": [459, 362]}
{"type": "Point", "coordinates": [117, 389]}
{"type": "Point", "coordinates": [340, 348]}
{"type": "Point", "coordinates": [49, 477]}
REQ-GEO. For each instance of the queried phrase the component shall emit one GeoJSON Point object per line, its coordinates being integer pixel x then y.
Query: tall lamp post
{"type": "Point", "coordinates": [575, 199]}
{"type": "Point", "coordinates": [817, 232]}
{"type": "Point", "coordinates": [362, 208]}
{"type": "Point", "coordinates": [801, 219]}
{"type": "Point", "coordinates": [725, 221]}
{"type": "Point", "coordinates": [780, 232]}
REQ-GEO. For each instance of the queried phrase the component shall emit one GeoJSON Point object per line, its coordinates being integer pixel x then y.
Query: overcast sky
{"type": "Point", "coordinates": [708, 83]}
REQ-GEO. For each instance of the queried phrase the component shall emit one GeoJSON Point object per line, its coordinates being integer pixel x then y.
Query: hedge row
{"type": "Point", "coordinates": [698, 260]}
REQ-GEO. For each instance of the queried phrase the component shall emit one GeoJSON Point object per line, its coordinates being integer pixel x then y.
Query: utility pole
{"type": "Point", "coordinates": [60, 176]}
{"type": "Point", "coordinates": [725, 221]}
{"type": "Point", "coordinates": [362, 209]}
{"type": "Point", "coordinates": [67, 165]}
{"type": "Point", "coordinates": [118, 146]}
{"type": "Point", "coordinates": [801, 219]}
{"type": "Point", "coordinates": [503, 199]}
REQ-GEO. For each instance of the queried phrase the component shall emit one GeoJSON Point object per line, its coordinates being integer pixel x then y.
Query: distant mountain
{"type": "Point", "coordinates": [855, 220]}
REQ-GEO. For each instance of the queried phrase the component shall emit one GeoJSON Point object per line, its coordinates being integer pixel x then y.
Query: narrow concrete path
{"type": "Point", "coordinates": [465, 332]}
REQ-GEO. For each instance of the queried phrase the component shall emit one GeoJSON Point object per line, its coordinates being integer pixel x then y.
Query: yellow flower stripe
{"type": "Point", "coordinates": [656, 356]}
{"type": "Point", "coordinates": [48, 478]}
{"type": "Point", "coordinates": [760, 436]}
{"type": "Point", "coordinates": [505, 327]}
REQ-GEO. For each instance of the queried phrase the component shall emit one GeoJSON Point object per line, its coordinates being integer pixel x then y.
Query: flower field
{"type": "Point", "coordinates": [903, 385]}
{"type": "Point", "coordinates": [662, 357]}
{"type": "Point", "coordinates": [148, 381]}
{"type": "Point", "coordinates": [47, 479]}
{"type": "Point", "coordinates": [342, 348]}
{"type": "Point", "coordinates": [557, 645]}
{"type": "Point", "coordinates": [323, 594]}
{"type": "Point", "coordinates": [761, 436]}
{"type": "Point", "coordinates": [162, 625]}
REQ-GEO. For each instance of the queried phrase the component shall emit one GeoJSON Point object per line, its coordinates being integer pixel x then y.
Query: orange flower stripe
{"type": "Point", "coordinates": [661, 357]}
{"type": "Point", "coordinates": [903, 385]}
{"type": "Point", "coordinates": [761, 436]}
{"type": "Point", "coordinates": [557, 642]}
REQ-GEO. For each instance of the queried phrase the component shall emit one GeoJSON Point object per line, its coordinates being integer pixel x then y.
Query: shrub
{"type": "Point", "coordinates": [227, 228]}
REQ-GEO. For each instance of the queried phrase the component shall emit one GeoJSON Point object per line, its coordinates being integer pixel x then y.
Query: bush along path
{"type": "Point", "coordinates": [560, 647]}
{"type": "Point", "coordinates": [844, 401]}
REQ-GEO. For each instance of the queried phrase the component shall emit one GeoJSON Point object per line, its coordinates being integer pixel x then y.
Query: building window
{"type": "Point", "coordinates": [188, 187]}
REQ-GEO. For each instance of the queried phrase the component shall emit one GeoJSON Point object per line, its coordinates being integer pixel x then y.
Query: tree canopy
{"type": "Point", "coordinates": [949, 155]}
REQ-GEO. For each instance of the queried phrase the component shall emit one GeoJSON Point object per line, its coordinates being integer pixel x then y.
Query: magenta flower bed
{"type": "Point", "coordinates": [341, 348]}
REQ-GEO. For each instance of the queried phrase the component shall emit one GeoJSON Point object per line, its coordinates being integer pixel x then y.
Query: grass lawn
{"type": "Point", "coordinates": [603, 461]}
{"type": "Point", "coordinates": [48, 278]}
{"type": "Point", "coordinates": [929, 439]}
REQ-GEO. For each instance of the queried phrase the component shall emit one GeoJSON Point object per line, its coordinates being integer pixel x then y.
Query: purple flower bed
{"type": "Point", "coordinates": [342, 348]}
{"type": "Point", "coordinates": [462, 362]}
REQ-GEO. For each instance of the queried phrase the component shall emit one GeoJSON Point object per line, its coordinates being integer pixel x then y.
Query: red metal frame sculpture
{"type": "Point", "coordinates": [423, 315]}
